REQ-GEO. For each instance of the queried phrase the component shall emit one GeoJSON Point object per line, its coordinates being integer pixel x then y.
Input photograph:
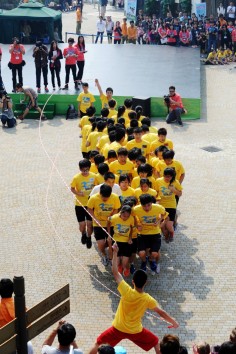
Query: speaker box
{"type": "Point", "coordinates": [145, 102]}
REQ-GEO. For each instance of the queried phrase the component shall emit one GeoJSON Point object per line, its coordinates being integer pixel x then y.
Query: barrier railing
{"type": "Point", "coordinates": [93, 36]}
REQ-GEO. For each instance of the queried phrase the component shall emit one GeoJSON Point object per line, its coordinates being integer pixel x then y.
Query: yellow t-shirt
{"type": "Point", "coordinates": [102, 141]}
{"type": "Point", "coordinates": [126, 116]}
{"type": "Point", "coordinates": [168, 143]}
{"type": "Point", "coordinates": [93, 139]}
{"type": "Point", "coordinates": [128, 193]}
{"type": "Point", "coordinates": [179, 169]}
{"type": "Point", "coordinates": [138, 192]}
{"type": "Point", "coordinates": [143, 145]}
{"type": "Point", "coordinates": [104, 101]}
{"type": "Point", "coordinates": [115, 118]}
{"type": "Point", "coordinates": [136, 182]}
{"type": "Point", "coordinates": [121, 228]}
{"type": "Point", "coordinates": [167, 197]}
{"type": "Point", "coordinates": [112, 112]}
{"type": "Point", "coordinates": [131, 309]}
{"type": "Point", "coordinates": [99, 178]}
{"type": "Point", "coordinates": [84, 184]}
{"type": "Point", "coordinates": [221, 55]}
{"type": "Point", "coordinates": [102, 210]}
{"type": "Point", "coordinates": [152, 129]}
{"type": "Point", "coordinates": [150, 137]}
{"type": "Point", "coordinates": [113, 146]}
{"type": "Point", "coordinates": [85, 133]}
{"type": "Point", "coordinates": [212, 56]}
{"type": "Point", "coordinates": [118, 169]}
{"type": "Point", "coordinates": [149, 219]}
{"type": "Point", "coordinates": [93, 168]}
{"type": "Point", "coordinates": [85, 100]}
{"type": "Point", "coordinates": [84, 121]}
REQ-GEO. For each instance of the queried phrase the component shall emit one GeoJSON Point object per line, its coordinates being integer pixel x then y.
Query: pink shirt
{"type": "Point", "coordinates": [70, 60]}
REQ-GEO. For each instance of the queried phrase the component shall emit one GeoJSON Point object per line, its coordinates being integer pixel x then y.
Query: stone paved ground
{"type": "Point", "coordinates": [40, 239]}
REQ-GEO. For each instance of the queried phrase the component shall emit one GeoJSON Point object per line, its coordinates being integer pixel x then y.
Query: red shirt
{"type": "Point", "coordinates": [178, 99]}
{"type": "Point", "coordinates": [0, 51]}
{"type": "Point", "coordinates": [70, 60]}
{"type": "Point", "coordinates": [233, 34]}
{"type": "Point", "coordinates": [81, 54]}
{"type": "Point", "coordinates": [16, 55]}
{"type": "Point", "coordinates": [184, 36]}
{"type": "Point", "coordinates": [171, 33]}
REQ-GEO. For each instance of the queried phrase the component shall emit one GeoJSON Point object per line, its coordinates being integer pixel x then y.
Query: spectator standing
{"type": "Point", "coordinates": [31, 99]}
{"type": "Point", "coordinates": [212, 37]}
{"type": "Point", "coordinates": [233, 35]}
{"type": "Point", "coordinates": [17, 51]}
{"type": "Point", "coordinates": [109, 29]}
{"type": "Point", "coordinates": [7, 308]}
{"type": "Point", "coordinates": [103, 7]}
{"type": "Point", "coordinates": [124, 30]}
{"type": "Point", "coordinates": [80, 59]}
{"type": "Point", "coordinates": [70, 54]}
{"type": "Point", "coordinates": [132, 33]}
{"type": "Point", "coordinates": [66, 334]}
{"type": "Point", "coordinates": [117, 33]}
{"type": "Point", "coordinates": [231, 11]}
{"type": "Point", "coordinates": [225, 37]}
{"type": "Point", "coordinates": [40, 54]}
{"type": "Point", "coordinates": [1, 82]}
{"type": "Point", "coordinates": [54, 56]}
{"type": "Point", "coordinates": [220, 10]}
{"type": "Point", "coordinates": [78, 20]}
{"type": "Point", "coordinates": [175, 106]}
{"type": "Point", "coordinates": [101, 25]}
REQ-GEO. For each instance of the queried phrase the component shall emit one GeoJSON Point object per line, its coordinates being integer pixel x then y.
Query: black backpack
{"type": "Point", "coordinates": [71, 112]}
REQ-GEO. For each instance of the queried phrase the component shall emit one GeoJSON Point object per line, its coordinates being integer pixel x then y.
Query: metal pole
{"type": "Point", "coordinates": [66, 37]}
{"type": "Point", "coordinates": [19, 290]}
{"type": "Point", "coordinates": [92, 38]}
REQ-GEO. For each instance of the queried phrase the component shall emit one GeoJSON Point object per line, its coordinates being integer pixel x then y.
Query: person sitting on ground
{"type": "Point", "coordinates": [32, 101]}
{"type": "Point", "coordinates": [135, 301]}
{"type": "Point", "coordinates": [66, 334]}
{"type": "Point", "coordinates": [6, 112]}
{"type": "Point", "coordinates": [212, 58]}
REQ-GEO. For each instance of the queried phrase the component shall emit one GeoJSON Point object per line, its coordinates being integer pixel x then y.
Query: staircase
{"type": "Point", "coordinates": [49, 110]}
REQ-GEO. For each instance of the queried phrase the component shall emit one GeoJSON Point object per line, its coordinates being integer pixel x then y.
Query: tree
{"type": "Point", "coordinates": [185, 6]}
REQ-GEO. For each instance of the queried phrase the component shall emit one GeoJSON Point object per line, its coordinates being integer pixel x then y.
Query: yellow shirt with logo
{"type": "Point", "coordinates": [138, 192]}
{"type": "Point", "coordinates": [168, 143]}
{"type": "Point", "coordinates": [143, 145]}
{"type": "Point", "coordinates": [117, 168]}
{"type": "Point", "coordinates": [104, 101]}
{"type": "Point", "coordinates": [131, 309]}
{"type": "Point", "coordinates": [179, 169]}
{"type": "Point", "coordinates": [122, 228]}
{"type": "Point", "coordinates": [167, 197]}
{"type": "Point", "coordinates": [149, 220]}
{"type": "Point", "coordinates": [128, 193]}
{"type": "Point", "coordinates": [85, 100]}
{"type": "Point", "coordinates": [102, 210]}
{"type": "Point", "coordinates": [83, 184]}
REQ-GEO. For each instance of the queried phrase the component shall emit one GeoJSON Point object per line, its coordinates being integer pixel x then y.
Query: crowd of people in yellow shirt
{"type": "Point", "coordinates": [129, 182]}
{"type": "Point", "coordinates": [220, 57]}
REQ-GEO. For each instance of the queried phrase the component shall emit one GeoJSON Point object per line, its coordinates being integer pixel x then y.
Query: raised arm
{"type": "Point", "coordinates": [99, 87]}
{"type": "Point", "coordinates": [118, 277]}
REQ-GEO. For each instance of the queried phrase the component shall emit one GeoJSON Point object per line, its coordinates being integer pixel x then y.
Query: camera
{"type": "Point", "coordinates": [167, 100]}
{"type": "Point", "coordinates": [4, 93]}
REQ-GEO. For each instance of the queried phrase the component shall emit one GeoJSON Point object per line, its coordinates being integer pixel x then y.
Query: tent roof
{"type": "Point", "coordinates": [32, 9]}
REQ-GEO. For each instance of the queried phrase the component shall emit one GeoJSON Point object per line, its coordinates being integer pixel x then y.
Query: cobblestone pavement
{"type": "Point", "coordinates": [40, 238]}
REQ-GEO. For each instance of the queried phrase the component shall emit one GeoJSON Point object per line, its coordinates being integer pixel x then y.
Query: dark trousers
{"type": "Point", "coordinates": [99, 34]}
{"type": "Point", "coordinates": [80, 65]}
{"type": "Point", "coordinates": [174, 115]}
{"type": "Point", "coordinates": [16, 68]}
{"type": "Point", "coordinates": [117, 41]}
{"type": "Point", "coordinates": [5, 120]}
{"type": "Point", "coordinates": [57, 71]}
{"type": "Point", "coordinates": [73, 69]}
{"type": "Point", "coordinates": [211, 43]}
{"type": "Point", "coordinates": [44, 70]}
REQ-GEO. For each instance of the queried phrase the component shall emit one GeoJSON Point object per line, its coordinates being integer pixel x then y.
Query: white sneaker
{"type": "Point", "coordinates": [105, 261]}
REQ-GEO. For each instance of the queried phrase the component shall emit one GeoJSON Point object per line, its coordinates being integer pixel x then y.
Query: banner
{"type": "Point", "coordinates": [131, 8]}
{"type": "Point", "coordinates": [201, 10]}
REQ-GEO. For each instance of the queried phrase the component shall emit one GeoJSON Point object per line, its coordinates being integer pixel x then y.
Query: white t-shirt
{"type": "Point", "coordinates": [231, 11]}
{"type": "Point", "coordinates": [47, 349]}
{"type": "Point", "coordinates": [115, 189]}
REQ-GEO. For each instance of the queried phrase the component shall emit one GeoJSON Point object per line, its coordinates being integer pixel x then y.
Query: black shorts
{"type": "Point", "coordinates": [134, 245]}
{"type": "Point", "coordinates": [30, 104]}
{"type": "Point", "coordinates": [124, 249]}
{"type": "Point", "coordinates": [82, 214]}
{"type": "Point", "coordinates": [149, 241]}
{"type": "Point", "coordinates": [172, 213]}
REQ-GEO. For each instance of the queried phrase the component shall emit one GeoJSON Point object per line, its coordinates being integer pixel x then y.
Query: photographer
{"type": "Point", "coordinates": [175, 106]}
{"type": "Point", "coordinates": [6, 112]}
{"type": "Point", "coordinates": [16, 63]}
{"type": "Point", "coordinates": [40, 55]}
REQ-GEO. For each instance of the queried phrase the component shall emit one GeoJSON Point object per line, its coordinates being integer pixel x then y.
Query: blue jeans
{"type": "Point", "coordinates": [211, 43]}
{"type": "Point", "coordinates": [174, 116]}
{"type": "Point", "coordinates": [99, 34]}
